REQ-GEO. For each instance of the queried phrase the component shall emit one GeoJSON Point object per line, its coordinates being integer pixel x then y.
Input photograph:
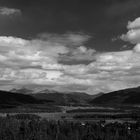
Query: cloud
{"type": "Point", "coordinates": [5, 11]}
{"type": "Point", "coordinates": [134, 24]}
{"type": "Point", "coordinates": [65, 62]}
{"type": "Point", "coordinates": [78, 55]}
{"type": "Point", "coordinates": [117, 70]}
{"type": "Point", "coordinates": [133, 34]}
{"type": "Point", "coordinates": [67, 39]}
{"type": "Point", "coordinates": [36, 61]}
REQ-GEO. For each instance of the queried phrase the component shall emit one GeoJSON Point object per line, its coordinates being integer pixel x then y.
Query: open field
{"type": "Point", "coordinates": [33, 127]}
{"type": "Point", "coordinates": [80, 114]}
{"type": "Point", "coordinates": [42, 122]}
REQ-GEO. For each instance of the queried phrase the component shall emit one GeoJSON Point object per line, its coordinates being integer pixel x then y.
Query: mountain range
{"type": "Point", "coordinates": [59, 98]}
{"type": "Point", "coordinates": [23, 96]}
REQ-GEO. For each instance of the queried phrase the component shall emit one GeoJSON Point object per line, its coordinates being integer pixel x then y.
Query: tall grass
{"type": "Point", "coordinates": [31, 127]}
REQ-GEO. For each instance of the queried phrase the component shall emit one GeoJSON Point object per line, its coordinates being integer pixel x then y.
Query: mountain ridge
{"type": "Point", "coordinates": [124, 96]}
{"type": "Point", "coordinates": [9, 98]}
{"type": "Point", "coordinates": [56, 97]}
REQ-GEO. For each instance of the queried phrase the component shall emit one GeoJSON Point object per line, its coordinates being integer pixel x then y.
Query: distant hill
{"type": "Point", "coordinates": [127, 96]}
{"type": "Point", "coordinates": [64, 98]}
{"type": "Point", "coordinates": [58, 98]}
{"type": "Point", "coordinates": [22, 90]}
{"type": "Point", "coordinates": [8, 98]}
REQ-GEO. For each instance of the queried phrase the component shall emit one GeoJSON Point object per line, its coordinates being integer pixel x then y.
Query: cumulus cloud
{"type": "Point", "coordinates": [133, 34]}
{"type": "Point", "coordinates": [67, 39]}
{"type": "Point", "coordinates": [78, 55]}
{"type": "Point", "coordinates": [5, 11]}
{"type": "Point", "coordinates": [36, 61]}
{"type": "Point", "coordinates": [64, 62]}
{"type": "Point", "coordinates": [109, 71]}
{"type": "Point", "coordinates": [134, 24]}
{"type": "Point", "coordinates": [118, 70]}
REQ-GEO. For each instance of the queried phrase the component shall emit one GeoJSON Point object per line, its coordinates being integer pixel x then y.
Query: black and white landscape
{"type": "Point", "coordinates": [69, 70]}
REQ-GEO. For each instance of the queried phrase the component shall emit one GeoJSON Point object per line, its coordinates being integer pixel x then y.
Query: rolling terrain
{"type": "Point", "coordinates": [24, 100]}
{"type": "Point", "coordinates": [129, 96]}
{"type": "Point", "coordinates": [59, 98]}
{"type": "Point", "coordinates": [64, 99]}
{"type": "Point", "coordinates": [8, 99]}
{"type": "Point", "coordinates": [18, 102]}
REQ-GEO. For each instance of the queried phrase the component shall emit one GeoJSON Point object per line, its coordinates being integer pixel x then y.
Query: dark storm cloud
{"type": "Point", "coordinates": [63, 43]}
{"type": "Point", "coordinates": [121, 8]}
{"type": "Point", "coordinates": [63, 16]}
{"type": "Point", "coordinates": [94, 17]}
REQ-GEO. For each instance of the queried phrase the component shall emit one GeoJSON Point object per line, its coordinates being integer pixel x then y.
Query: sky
{"type": "Point", "coordinates": [89, 46]}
